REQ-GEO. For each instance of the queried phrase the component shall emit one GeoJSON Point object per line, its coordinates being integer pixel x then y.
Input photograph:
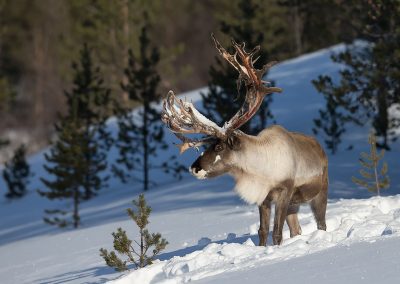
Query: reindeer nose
{"type": "Point", "coordinates": [195, 167]}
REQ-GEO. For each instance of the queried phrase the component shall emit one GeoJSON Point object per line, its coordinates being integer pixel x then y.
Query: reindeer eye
{"type": "Point", "coordinates": [218, 148]}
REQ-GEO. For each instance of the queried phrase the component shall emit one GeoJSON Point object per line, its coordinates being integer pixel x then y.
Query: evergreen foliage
{"type": "Point", "coordinates": [370, 85]}
{"type": "Point", "coordinates": [78, 157]}
{"type": "Point", "coordinates": [70, 166]}
{"type": "Point", "coordinates": [16, 173]}
{"type": "Point", "coordinates": [330, 121]}
{"type": "Point", "coordinates": [373, 179]}
{"type": "Point", "coordinates": [7, 94]}
{"type": "Point", "coordinates": [93, 107]}
{"type": "Point", "coordinates": [123, 245]}
{"type": "Point", "coordinates": [38, 70]}
{"type": "Point", "coordinates": [225, 97]}
{"type": "Point", "coordinates": [141, 135]}
{"type": "Point", "coordinates": [318, 17]}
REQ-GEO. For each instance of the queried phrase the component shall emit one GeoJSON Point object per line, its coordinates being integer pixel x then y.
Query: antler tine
{"type": "Point", "coordinates": [191, 143]}
{"type": "Point", "coordinates": [228, 57]}
{"type": "Point", "coordinates": [182, 117]}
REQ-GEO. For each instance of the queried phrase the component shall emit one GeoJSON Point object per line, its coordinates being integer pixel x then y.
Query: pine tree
{"type": "Point", "coordinates": [123, 245]}
{"type": "Point", "coordinates": [141, 134]}
{"type": "Point", "coordinates": [224, 97]}
{"type": "Point", "coordinates": [94, 106]}
{"type": "Point", "coordinates": [16, 173]}
{"type": "Point", "coordinates": [331, 121]}
{"type": "Point", "coordinates": [78, 158]}
{"type": "Point", "coordinates": [374, 180]}
{"type": "Point", "coordinates": [370, 83]}
{"type": "Point", "coordinates": [317, 17]}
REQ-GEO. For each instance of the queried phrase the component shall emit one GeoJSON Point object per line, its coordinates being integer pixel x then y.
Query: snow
{"type": "Point", "coordinates": [348, 221]}
{"type": "Point", "coordinates": [212, 233]}
{"type": "Point", "coordinates": [202, 119]}
{"type": "Point", "coordinates": [366, 262]}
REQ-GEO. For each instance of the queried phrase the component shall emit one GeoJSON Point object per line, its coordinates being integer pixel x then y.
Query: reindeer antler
{"type": "Point", "coordinates": [183, 118]}
{"type": "Point", "coordinates": [256, 90]}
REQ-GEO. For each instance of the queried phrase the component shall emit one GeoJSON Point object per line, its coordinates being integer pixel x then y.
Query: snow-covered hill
{"type": "Point", "coordinates": [210, 230]}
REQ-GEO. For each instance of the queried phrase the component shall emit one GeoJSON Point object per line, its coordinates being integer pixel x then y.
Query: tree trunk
{"type": "Point", "coordinates": [39, 63]}
{"type": "Point", "coordinates": [377, 181]}
{"type": "Point", "coordinates": [126, 31]}
{"type": "Point", "coordinates": [382, 120]}
{"type": "Point", "coordinates": [297, 25]}
{"type": "Point", "coordinates": [145, 132]}
{"type": "Point", "coordinates": [141, 262]}
{"type": "Point", "coordinates": [76, 204]}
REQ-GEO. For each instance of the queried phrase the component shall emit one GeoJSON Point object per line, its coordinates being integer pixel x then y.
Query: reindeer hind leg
{"type": "Point", "coordinates": [293, 221]}
{"type": "Point", "coordinates": [319, 203]}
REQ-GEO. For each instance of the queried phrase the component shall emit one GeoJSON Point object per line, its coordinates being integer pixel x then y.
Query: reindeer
{"type": "Point", "coordinates": [276, 166]}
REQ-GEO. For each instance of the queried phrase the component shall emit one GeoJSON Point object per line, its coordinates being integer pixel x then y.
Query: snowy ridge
{"type": "Point", "coordinates": [348, 221]}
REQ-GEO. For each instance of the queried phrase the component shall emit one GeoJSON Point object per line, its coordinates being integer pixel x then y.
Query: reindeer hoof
{"type": "Point", "coordinates": [277, 239]}
{"type": "Point", "coordinates": [262, 236]}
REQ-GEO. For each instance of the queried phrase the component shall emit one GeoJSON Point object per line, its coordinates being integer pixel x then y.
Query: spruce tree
{"type": "Point", "coordinates": [77, 159]}
{"type": "Point", "coordinates": [123, 245]}
{"type": "Point", "coordinates": [69, 166]}
{"type": "Point", "coordinates": [94, 106]}
{"type": "Point", "coordinates": [224, 96]}
{"type": "Point", "coordinates": [141, 134]}
{"type": "Point", "coordinates": [373, 179]}
{"type": "Point", "coordinates": [370, 84]}
{"type": "Point", "coordinates": [16, 173]}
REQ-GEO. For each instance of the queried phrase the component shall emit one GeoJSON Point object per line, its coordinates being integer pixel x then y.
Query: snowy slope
{"type": "Point", "coordinates": [191, 213]}
{"type": "Point", "coordinates": [348, 221]}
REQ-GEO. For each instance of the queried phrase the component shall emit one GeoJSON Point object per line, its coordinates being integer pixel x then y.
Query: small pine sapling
{"type": "Point", "coordinates": [374, 180]}
{"type": "Point", "coordinates": [123, 245]}
{"type": "Point", "coordinates": [16, 173]}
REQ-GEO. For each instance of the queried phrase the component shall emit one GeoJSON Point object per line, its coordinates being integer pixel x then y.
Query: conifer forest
{"type": "Point", "coordinates": [120, 118]}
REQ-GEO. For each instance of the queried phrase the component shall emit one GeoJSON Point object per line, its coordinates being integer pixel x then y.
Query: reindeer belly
{"type": "Point", "coordinates": [308, 190]}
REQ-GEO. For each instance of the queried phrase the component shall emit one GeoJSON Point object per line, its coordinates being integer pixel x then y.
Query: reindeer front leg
{"type": "Point", "coordinates": [265, 214]}
{"type": "Point", "coordinates": [281, 209]}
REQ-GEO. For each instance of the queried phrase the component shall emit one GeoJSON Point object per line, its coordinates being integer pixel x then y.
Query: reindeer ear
{"type": "Point", "coordinates": [233, 142]}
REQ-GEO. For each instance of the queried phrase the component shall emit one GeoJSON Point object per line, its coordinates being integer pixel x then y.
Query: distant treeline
{"type": "Point", "coordinates": [40, 38]}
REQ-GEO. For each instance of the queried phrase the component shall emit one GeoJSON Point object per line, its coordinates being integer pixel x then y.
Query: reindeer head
{"type": "Point", "coordinates": [181, 117]}
{"type": "Point", "coordinates": [218, 158]}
